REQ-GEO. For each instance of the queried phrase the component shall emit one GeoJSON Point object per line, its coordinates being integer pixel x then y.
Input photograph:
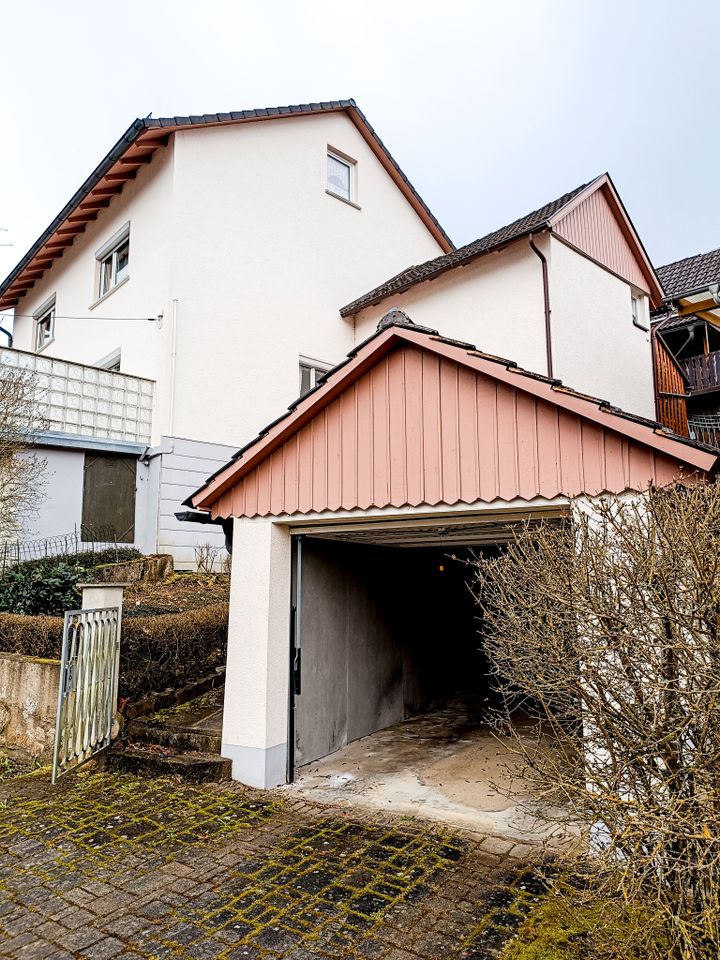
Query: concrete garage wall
{"type": "Point", "coordinates": [28, 705]}
{"type": "Point", "coordinates": [365, 662]}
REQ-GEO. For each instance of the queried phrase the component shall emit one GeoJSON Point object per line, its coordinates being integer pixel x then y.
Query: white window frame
{"type": "Point", "coordinates": [45, 314]}
{"type": "Point", "coordinates": [637, 312]}
{"type": "Point", "coordinates": [351, 164]}
{"type": "Point", "coordinates": [111, 361]}
{"type": "Point", "coordinates": [109, 253]}
{"type": "Point", "coordinates": [317, 370]}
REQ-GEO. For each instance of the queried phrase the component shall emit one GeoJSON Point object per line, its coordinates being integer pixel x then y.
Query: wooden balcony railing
{"type": "Point", "coordinates": [706, 429]}
{"type": "Point", "coordinates": [703, 372]}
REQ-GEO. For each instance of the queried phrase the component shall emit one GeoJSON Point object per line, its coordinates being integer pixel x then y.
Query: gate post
{"type": "Point", "coordinates": [105, 595]}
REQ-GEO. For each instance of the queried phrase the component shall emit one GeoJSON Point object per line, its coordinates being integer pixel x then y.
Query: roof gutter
{"type": "Point", "coordinates": [546, 304]}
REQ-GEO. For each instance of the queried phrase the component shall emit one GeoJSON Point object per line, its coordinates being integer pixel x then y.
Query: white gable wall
{"type": "Point", "coordinates": [496, 302]}
{"type": "Point", "coordinates": [596, 347]}
{"type": "Point", "coordinates": [262, 259]}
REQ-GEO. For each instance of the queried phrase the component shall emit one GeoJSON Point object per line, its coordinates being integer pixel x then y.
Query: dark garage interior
{"type": "Point", "coordinates": [386, 633]}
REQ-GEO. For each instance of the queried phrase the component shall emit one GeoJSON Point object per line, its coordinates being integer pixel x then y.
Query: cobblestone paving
{"type": "Point", "coordinates": [115, 866]}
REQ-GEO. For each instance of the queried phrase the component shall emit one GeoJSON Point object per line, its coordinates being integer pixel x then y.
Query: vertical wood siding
{"type": "Point", "coordinates": [671, 408]}
{"type": "Point", "coordinates": [419, 428]}
{"type": "Point", "coordinates": [592, 228]}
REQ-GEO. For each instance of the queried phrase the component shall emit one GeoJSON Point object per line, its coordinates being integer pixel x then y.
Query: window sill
{"type": "Point", "coordinates": [45, 345]}
{"type": "Point", "coordinates": [109, 293]}
{"type": "Point", "coordinates": [337, 196]}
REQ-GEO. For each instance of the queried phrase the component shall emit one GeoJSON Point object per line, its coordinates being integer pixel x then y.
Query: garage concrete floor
{"type": "Point", "coordinates": [446, 765]}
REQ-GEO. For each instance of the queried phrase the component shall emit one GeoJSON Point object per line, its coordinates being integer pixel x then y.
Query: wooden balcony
{"type": "Point", "coordinates": [706, 429]}
{"type": "Point", "coordinates": [703, 372]}
{"type": "Point", "coordinates": [77, 400]}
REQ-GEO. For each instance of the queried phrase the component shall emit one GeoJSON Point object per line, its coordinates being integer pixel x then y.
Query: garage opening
{"type": "Point", "coordinates": [391, 686]}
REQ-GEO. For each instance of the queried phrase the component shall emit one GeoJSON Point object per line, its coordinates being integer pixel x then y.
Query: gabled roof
{"type": "Point", "coordinates": [544, 218]}
{"type": "Point", "coordinates": [136, 147]}
{"type": "Point", "coordinates": [369, 354]}
{"type": "Point", "coordinates": [691, 274]}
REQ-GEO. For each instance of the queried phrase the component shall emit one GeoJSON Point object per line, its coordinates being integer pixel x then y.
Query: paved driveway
{"type": "Point", "coordinates": [115, 866]}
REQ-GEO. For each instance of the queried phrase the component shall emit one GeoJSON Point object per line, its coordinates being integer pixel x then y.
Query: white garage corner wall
{"type": "Point", "coordinates": [596, 347]}
{"type": "Point", "coordinates": [255, 717]}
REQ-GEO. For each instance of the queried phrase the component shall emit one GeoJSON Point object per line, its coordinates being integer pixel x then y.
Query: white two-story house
{"type": "Point", "coordinates": [198, 271]}
{"type": "Point", "coordinates": [212, 268]}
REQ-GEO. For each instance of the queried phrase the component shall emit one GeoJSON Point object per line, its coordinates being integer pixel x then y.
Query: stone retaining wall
{"type": "Point", "coordinates": [28, 705]}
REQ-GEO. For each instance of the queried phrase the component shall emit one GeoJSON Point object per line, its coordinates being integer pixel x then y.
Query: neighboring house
{"type": "Point", "coordinates": [686, 332]}
{"type": "Point", "coordinates": [565, 291]}
{"type": "Point", "coordinates": [187, 291]}
{"type": "Point", "coordinates": [346, 510]}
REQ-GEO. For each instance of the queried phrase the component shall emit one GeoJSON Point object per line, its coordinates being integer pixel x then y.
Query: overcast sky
{"type": "Point", "coordinates": [491, 108]}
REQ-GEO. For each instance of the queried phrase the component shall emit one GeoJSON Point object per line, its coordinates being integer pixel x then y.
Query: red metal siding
{"type": "Point", "coordinates": [419, 428]}
{"type": "Point", "coordinates": [593, 228]}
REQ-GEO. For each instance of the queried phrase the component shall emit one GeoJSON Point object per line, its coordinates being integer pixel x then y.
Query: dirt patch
{"type": "Point", "coordinates": [179, 592]}
{"type": "Point", "coordinates": [11, 767]}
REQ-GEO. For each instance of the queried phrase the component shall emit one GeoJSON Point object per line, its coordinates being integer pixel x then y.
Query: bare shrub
{"type": "Point", "coordinates": [206, 557]}
{"type": "Point", "coordinates": [21, 470]}
{"type": "Point", "coordinates": [606, 631]}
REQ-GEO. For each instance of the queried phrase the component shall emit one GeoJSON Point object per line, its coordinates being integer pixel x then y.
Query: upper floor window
{"type": "Point", "coordinates": [340, 176]}
{"type": "Point", "coordinates": [114, 261]}
{"type": "Point", "coordinates": [310, 372]}
{"type": "Point", "coordinates": [45, 324]}
{"type": "Point", "coordinates": [637, 308]}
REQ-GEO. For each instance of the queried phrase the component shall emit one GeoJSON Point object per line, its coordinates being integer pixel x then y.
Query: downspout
{"type": "Point", "coordinates": [173, 363]}
{"type": "Point", "coordinates": [546, 300]}
{"type": "Point", "coordinates": [8, 335]}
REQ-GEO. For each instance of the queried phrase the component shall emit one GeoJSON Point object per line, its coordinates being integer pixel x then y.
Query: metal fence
{"type": "Point", "coordinates": [13, 552]}
{"type": "Point", "coordinates": [87, 696]}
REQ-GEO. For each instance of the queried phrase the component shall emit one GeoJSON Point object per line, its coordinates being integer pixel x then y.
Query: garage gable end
{"type": "Point", "coordinates": [419, 427]}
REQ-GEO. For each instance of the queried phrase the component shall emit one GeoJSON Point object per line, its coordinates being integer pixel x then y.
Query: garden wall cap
{"type": "Point", "coordinates": [104, 586]}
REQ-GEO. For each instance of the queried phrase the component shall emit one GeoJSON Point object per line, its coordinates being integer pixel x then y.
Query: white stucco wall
{"type": "Point", "coordinates": [59, 506]}
{"type": "Point", "coordinates": [145, 349]}
{"type": "Point", "coordinates": [233, 225]}
{"type": "Point", "coordinates": [263, 260]}
{"type": "Point", "coordinates": [596, 346]}
{"type": "Point", "coordinates": [496, 302]}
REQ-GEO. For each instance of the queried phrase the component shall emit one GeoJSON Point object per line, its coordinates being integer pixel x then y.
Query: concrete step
{"type": "Point", "coordinates": [153, 760]}
{"type": "Point", "coordinates": [178, 737]}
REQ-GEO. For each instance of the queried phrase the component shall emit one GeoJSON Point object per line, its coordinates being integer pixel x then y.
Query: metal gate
{"type": "Point", "coordinates": [88, 686]}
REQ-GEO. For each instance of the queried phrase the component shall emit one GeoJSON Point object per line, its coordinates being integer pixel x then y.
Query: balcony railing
{"type": "Point", "coordinates": [703, 372]}
{"type": "Point", "coordinates": [85, 401]}
{"type": "Point", "coordinates": [706, 429]}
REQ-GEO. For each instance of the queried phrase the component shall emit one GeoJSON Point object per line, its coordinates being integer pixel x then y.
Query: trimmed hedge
{"type": "Point", "coordinates": [157, 652]}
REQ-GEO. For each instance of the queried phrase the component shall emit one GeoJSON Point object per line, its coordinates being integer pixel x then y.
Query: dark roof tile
{"type": "Point", "coordinates": [690, 274]}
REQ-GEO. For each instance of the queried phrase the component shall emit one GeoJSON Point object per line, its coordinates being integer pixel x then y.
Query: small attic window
{"type": "Point", "coordinates": [340, 176]}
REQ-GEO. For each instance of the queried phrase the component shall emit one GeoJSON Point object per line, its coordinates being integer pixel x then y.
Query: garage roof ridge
{"type": "Point", "coordinates": [363, 357]}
